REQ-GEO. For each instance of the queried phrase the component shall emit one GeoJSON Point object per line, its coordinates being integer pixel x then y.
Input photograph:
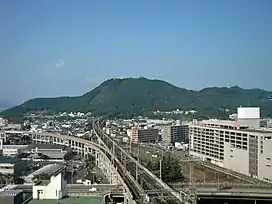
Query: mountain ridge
{"type": "Point", "coordinates": [135, 96]}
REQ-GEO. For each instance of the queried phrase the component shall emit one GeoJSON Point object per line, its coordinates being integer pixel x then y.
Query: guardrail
{"type": "Point", "coordinates": [225, 184]}
{"type": "Point", "coordinates": [232, 173]}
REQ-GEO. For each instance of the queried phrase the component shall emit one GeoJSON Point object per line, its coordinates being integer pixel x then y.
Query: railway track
{"type": "Point", "coordinates": [126, 165]}
{"type": "Point", "coordinates": [232, 173]}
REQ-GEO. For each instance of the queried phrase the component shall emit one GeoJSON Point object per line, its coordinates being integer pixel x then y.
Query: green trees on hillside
{"type": "Point", "coordinates": [130, 97]}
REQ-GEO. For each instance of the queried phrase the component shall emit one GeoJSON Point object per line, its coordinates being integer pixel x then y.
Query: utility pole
{"type": "Point", "coordinates": [161, 160]}
{"type": "Point", "coordinates": [130, 144]}
{"type": "Point", "coordinates": [72, 176]}
{"type": "Point", "coordinates": [125, 163]}
{"type": "Point", "coordinates": [161, 169]}
{"type": "Point", "coordinates": [113, 153]}
{"type": "Point", "coordinates": [190, 174]}
{"type": "Point", "coordinates": [218, 180]}
{"type": "Point", "coordinates": [205, 176]}
{"type": "Point", "coordinates": [138, 160]}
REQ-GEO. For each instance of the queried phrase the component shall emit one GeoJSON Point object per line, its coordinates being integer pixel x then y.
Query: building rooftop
{"type": "Point", "coordinates": [50, 154]}
{"type": "Point", "coordinates": [223, 122]}
{"type": "Point", "coordinates": [44, 183]}
{"type": "Point", "coordinates": [8, 160]}
{"type": "Point", "coordinates": [49, 169]}
{"type": "Point", "coordinates": [264, 131]}
{"type": "Point", "coordinates": [10, 192]}
{"type": "Point", "coordinates": [47, 146]}
{"type": "Point", "coordinates": [14, 146]}
{"type": "Point", "coordinates": [71, 200]}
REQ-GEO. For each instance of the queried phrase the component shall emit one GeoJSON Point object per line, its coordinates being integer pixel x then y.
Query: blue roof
{"type": "Point", "coordinates": [8, 160]}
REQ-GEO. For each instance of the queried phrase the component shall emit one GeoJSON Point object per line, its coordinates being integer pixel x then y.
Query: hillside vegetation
{"type": "Point", "coordinates": [135, 96]}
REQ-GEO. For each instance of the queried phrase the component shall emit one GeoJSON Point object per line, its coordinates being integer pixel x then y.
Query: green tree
{"type": "Point", "coordinates": [69, 155]}
{"type": "Point", "coordinates": [171, 169]}
{"type": "Point", "coordinates": [43, 156]}
{"type": "Point", "coordinates": [38, 177]}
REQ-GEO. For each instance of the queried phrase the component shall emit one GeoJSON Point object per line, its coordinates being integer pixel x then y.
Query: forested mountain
{"type": "Point", "coordinates": [134, 96]}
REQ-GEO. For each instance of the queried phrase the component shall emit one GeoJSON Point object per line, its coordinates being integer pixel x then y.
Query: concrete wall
{"type": "Point", "coordinates": [236, 159]}
{"type": "Point", "coordinates": [265, 161]}
{"type": "Point", "coordinates": [9, 199]}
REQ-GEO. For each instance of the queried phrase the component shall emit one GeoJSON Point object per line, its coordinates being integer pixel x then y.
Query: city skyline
{"type": "Point", "coordinates": [68, 48]}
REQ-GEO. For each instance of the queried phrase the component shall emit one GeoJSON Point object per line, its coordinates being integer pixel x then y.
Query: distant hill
{"type": "Point", "coordinates": [133, 96]}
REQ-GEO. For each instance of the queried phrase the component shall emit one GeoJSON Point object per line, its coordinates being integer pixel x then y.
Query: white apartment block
{"type": "Point", "coordinates": [241, 145]}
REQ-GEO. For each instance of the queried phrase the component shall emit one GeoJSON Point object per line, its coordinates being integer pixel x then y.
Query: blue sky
{"type": "Point", "coordinates": [67, 47]}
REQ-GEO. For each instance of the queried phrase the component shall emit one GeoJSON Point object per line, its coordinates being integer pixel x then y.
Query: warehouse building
{"type": "Point", "coordinates": [49, 152]}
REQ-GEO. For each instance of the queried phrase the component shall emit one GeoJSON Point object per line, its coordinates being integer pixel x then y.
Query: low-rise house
{"type": "Point", "coordinates": [55, 189]}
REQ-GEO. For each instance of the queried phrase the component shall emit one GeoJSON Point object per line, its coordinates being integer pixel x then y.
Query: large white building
{"type": "Point", "coordinates": [55, 189]}
{"type": "Point", "coordinates": [240, 145]}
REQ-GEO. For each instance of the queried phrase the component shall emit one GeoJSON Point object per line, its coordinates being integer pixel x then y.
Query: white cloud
{"type": "Point", "coordinates": [59, 63]}
{"type": "Point", "coordinates": [51, 68]}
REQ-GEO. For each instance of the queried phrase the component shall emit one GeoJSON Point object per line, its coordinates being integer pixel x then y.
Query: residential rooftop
{"type": "Point", "coordinates": [8, 160]}
{"type": "Point", "coordinates": [10, 192]}
{"type": "Point", "coordinates": [14, 146]}
{"type": "Point", "coordinates": [71, 200]}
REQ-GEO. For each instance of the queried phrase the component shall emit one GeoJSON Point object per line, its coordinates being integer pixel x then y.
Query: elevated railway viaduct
{"type": "Point", "coordinates": [118, 167]}
{"type": "Point", "coordinates": [85, 147]}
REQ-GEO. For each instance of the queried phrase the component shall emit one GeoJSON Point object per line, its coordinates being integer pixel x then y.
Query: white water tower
{"type": "Point", "coordinates": [249, 116]}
